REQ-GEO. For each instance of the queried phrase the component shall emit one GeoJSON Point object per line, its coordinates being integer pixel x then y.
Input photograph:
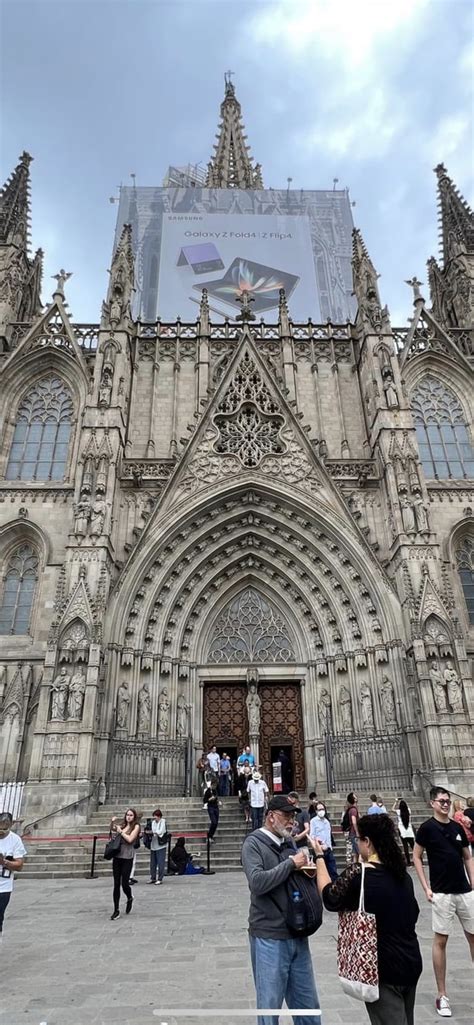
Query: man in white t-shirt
{"type": "Point", "coordinates": [257, 790]}
{"type": "Point", "coordinates": [214, 760]}
{"type": "Point", "coordinates": [12, 853]}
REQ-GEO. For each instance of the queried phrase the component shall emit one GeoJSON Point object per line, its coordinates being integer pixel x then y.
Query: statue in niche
{"type": "Point", "coordinates": [373, 310]}
{"type": "Point", "coordinates": [97, 518]}
{"type": "Point", "coordinates": [391, 397]}
{"type": "Point", "coordinates": [421, 516]}
{"type": "Point", "coordinates": [163, 711]}
{"type": "Point", "coordinates": [387, 700]}
{"type": "Point", "coordinates": [345, 704]}
{"type": "Point", "coordinates": [77, 690]}
{"type": "Point", "coordinates": [82, 511]}
{"type": "Point", "coordinates": [144, 710]}
{"type": "Point", "coordinates": [439, 688]}
{"type": "Point", "coordinates": [123, 702]}
{"type": "Point", "coordinates": [60, 691]}
{"type": "Point", "coordinates": [181, 717]}
{"type": "Point", "coordinates": [105, 386]}
{"type": "Point", "coordinates": [408, 516]}
{"type": "Point", "coordinates": [365, 699]}
{"type": "Point", "coordinates": [325, 715]}
{"type": "Point", "coordinates": [454, 688]}
{"type": "Point", "coordinates": [254, 704]}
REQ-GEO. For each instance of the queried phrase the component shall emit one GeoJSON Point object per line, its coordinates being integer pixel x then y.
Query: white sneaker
{"type": "Point", "coordinates": [158, 882]}
{"type": "Point", "coordinates": [443, 1007]}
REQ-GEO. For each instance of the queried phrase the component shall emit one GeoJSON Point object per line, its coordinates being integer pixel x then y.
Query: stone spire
{"type": "Point", "coordinates": [232, 166]}
{"type": "Point", "coordinates": [456, 217]}
{"type": "Point", "coordinates": [122, 278]}
{"type": "Point", "coordinates": [452, 284]}
{"type": "Point", "coordinates": [15, 205]}
{"type": "Point", "coordinates": [364, 277]}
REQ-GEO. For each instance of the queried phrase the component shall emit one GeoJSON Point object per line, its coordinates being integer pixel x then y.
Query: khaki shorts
{"type": "Point", "coordinates": [445, 906]}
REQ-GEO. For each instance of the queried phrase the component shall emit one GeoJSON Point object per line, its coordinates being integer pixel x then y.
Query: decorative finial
{"type": "Point", "coordinates": [61, 277]}
{"type": "Point", "coordinates": [415, 285]}
{"type": "Point", "coordinates": [228, 80]}
{"type": "Point", "coordinates": [245, 298]}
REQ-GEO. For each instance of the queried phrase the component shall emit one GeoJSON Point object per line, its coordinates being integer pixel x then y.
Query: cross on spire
{"type": "Point", "coordinates": [232, 166]}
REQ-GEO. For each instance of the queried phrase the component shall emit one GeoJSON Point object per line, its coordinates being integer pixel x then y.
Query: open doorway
{"type": "Point", "coordinates": [284, 753]}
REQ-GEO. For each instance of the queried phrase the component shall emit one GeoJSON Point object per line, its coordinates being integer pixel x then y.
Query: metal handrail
{"type": "Point", "coordinates": [66, 807]}
{"type": "Point", "coordinates": [418, 772]}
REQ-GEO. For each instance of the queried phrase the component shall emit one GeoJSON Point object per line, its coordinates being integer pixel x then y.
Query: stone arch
{"type": "Point", "coordinates": [461, 556]}
{"type": "Point", "coordinates": [13, 537]}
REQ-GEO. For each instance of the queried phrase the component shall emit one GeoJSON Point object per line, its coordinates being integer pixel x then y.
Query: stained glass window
{"type": "Point", "coordinates": [442, 432]}
{"type": "Point", "coordinates": [41, 438]}
{"type": "Point", "coordinates": [465, 565]}
{"type": "Point", "coordinates": [18, 591]}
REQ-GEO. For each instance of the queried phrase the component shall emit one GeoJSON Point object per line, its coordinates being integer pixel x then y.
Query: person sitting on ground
{"type": "Point", "coordinates": [405, 827]}
{"type": "Point", "coordinates": [389, 895]}
{"type": "Point", "coordinates": [181, 861]}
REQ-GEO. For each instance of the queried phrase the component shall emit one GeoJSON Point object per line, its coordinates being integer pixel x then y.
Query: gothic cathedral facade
{"type": "Point", "coordinates": [216, 531]}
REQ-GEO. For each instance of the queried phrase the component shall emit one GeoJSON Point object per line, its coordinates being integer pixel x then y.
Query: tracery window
{"type": "Point", "coordinates": [250, 630]}
{"type": "Point", "coordinates": [442, 432]}
{"type": "Point", "coordinates": [465, 565]}
{"type": "Point", "coordinates": [18, 592]}
{"type": "Point", "coordinates": [41, 438]}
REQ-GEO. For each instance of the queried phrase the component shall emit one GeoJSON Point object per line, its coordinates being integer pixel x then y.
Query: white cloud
{"type": "Point", "coordinates": [356, 123]}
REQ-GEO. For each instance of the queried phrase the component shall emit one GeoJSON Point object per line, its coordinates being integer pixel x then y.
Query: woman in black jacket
{"type": "Point", "coordinates": [389, 895]}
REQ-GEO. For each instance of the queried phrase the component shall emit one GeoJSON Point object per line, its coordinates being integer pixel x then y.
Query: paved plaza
{"type": "Point", "coordinates": [63, 962]}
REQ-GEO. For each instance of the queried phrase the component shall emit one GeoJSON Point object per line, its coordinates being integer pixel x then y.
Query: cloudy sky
{"type": "Point", "coordinates": [371, 92]}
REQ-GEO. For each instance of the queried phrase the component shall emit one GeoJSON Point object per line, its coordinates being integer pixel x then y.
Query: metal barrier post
{"type": "Point", "coordinates": [169, 854]}
{"type": "Point", "coordinates": [93, 875]}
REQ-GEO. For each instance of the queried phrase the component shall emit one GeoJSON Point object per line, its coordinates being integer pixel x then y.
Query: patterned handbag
{"type": "Point", "coordinates": [357, 960]}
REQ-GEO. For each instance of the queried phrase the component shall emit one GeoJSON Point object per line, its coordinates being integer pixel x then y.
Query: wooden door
{"type": "Point", "coordinates": [225, 716]}
{"type": "Point", "coordinates": [281, 724]}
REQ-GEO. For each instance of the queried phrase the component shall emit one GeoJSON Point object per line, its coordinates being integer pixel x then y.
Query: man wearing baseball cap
{"type": "Point", "coordinates": [281, 962]}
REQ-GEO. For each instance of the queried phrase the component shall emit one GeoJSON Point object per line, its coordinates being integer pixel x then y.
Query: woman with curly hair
{"type": "Point", "coordinates": [389, 895]}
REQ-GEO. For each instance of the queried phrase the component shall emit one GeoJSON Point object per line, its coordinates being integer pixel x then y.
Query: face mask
{"type": "Point", "coordinates": [321, 813]}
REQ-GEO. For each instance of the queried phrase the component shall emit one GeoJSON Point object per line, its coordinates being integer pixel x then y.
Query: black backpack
{"type": "Point", "coordinates": [345, 822]}
{"type": "Point", "coordinates": [305, 915]}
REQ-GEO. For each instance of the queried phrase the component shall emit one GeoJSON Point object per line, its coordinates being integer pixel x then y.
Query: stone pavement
{"type": "Point", "coordinates": [63, 962]}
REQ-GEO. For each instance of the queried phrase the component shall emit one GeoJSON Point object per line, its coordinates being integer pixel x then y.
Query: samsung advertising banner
{"type": "Point", "coordinates": [230, 240]}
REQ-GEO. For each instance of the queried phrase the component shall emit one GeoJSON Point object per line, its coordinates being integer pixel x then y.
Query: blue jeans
{"type": "Point", "coordinates": [224, 785]}
{"type": "Point", "coordinates": [330, 862]}
{"type": "Point", "coordinates": [283, 970]}
{"type": "Point", "coordinates": [157, 861]}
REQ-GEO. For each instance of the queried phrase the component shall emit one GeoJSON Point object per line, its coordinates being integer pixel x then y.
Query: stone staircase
{"type": "Point", "coordinates": [68, 854]}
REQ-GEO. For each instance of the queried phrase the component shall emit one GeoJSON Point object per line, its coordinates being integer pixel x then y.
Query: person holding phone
{"type": "Point", "coordinates": [12, 854]}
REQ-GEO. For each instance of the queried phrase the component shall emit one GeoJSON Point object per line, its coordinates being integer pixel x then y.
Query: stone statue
{"type": "Point", "coordinates": [105, 387]}
{"type": "Point", "coordinates": [60, 691]}
{"type": "Point", "coordinates": [439, 688]}
{"type": "Point", "coordinates": [181, 717]}
{"type": "Point", "coordinates": [365, 699]}
{"type": "Point", "coordinates": [61, 277]}
{"type": "Point", "coordinates": [325, 711]}
{"type": "Point", "coordinates": [391, 397]}
{"type": "Point", "coordinates": [163, 711]}
{"type": "Point", "coordinates": [254, 704]}
{"type": "Point", "coordinates": [123, 702]}
{"type": "Point", "coordinates": [373, 310]}
{"type": "Point", "coordinates": [421, 515]}
{"type": "Point", "coordinates": [3, 681]}
{"type": "Point", "coordinates": [97, 518]}
{"type": "Point", "coordinates": [454, 687]}
{"type": "Point", "coordinates": [346, 708]}
{"type": "Point", "coordinates": [387, 701]}
{"type": "Point", "coordinates": [82, 511]}
{"type": "Point", "coordinates": [77, 690]}
{"type": "Point", "coordinates": [408, 516]}
{"type": "Point", "coordinates": [144, 710]}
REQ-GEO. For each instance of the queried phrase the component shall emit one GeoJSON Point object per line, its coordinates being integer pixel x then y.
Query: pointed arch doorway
{"type": "Point", "coordinates": [251, 631]}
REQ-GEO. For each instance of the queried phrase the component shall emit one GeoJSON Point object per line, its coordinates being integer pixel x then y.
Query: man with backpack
{"type": "Point", "coordinates": [349, 822]}
{"type": "Point", "coordinates": [285, 909]}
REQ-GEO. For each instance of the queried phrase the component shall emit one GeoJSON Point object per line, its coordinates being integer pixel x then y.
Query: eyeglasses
{"type": "Point", "coordinates": [442, 800]}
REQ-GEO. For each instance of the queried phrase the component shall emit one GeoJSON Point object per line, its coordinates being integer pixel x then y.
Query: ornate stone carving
{"type": "Point", "coordinates": [97, 518]}
{"type": "Point", "coordinates": [163, 711]}
{"type": "Point", "coordinates": [325, 711]}
{"type": "Point", "coordinates": [439, 686]}
{"type": "Point", "coordinates": [77, 690]}
{"type": "Point", "coordinates": [454, 688]}
{"type": "Point", "coordinates": [144, 710]}
{"type": "Point", "coordinates": [387, 701]}
{"type": "Point", "coordinates": [254, 704]}
{"type": "Point", "coordinates": [250, 630]}
{"type": "Point", "coordinates": [123, 705]}
{"type": "Point", "coordinates": [345, 705]}
{"type": "Point", "coordinates": [181, 716]}
{"type": "Point", "coordinates": [60, 692]}
{"type": "Point", "coordinates": [365, 698]}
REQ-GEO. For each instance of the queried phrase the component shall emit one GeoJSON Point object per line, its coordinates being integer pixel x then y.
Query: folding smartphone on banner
{"type": "Point", "coordinates": [202, 258]}
{"type": "Point", "coordinates": [263, 283]}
